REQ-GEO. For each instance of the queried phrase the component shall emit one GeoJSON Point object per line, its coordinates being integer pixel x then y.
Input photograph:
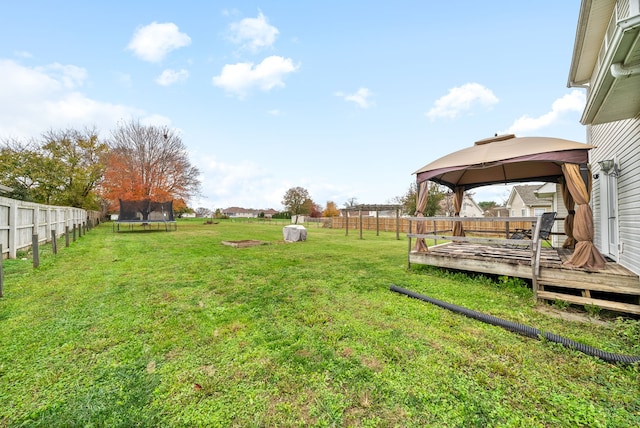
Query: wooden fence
{"type": "Point", "coordinates": [472, 225]}
{"type": "Point", "coordinates": [21, 221]}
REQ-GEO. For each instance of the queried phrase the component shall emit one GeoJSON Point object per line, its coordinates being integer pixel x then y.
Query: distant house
{"type": "Point", "coordinates": [524, 201]}
{"type": "Point", "coordinates": [497, 212]}
{"type": "Point", "coordinates": [533, 200]}
{"type": "Point", "coordinates": [237, 212]}
{"type": "Point", "coordinates": [606, 61]}
{"type": "Point", "coordinates": [269, 213]}
{"type": "Point", "coordinates": [469, 207]}
{"type": "Point", "coordinates": [553, 193]}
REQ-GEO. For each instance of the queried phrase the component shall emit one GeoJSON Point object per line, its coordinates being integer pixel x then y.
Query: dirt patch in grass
{"type": "Point", "coordinates": [243, 243]}
{"type": "Point", "coordinates": [570, 316]}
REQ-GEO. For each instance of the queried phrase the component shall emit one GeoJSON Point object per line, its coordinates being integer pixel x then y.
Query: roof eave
{"type": "Point", "coordinates": [604, 84]}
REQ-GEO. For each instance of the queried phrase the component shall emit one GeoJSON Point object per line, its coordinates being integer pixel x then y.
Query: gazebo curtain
{"type": "Point", "coordinates": [586, 255]}
{"type": "Point", "coordinates": [570, 204]}
{"type": "Point", "coordinates": [421, 205]}
{"type": "Point", "coordinates": [458, 229]}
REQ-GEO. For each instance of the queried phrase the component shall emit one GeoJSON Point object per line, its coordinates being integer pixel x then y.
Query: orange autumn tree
{"type": "Point", "coordinates": [148, 162]}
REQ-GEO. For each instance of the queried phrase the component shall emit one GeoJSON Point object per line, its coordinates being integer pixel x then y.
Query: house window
{"type": "Point", "coordinates": [523, 212]}
{"type": "Point", "coordinates": [538, 211]}
{"type": "Point", "coordinates": [513, 213]}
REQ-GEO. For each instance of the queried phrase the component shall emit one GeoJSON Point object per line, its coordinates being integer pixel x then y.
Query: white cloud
{"type": "Point", "coordinates": [461, 99]}
{"type": "Point", "coordinates": [361, 97]}
{"type": "Point", "coordinates": [253, 33]}
{"type": "Point", "coordinates": [241, 77]}
{"type": "Point", "coordinates": [169, 77]}
{"type": "Point", "coordinates": [246, 184]}
{"type": "Point", "coordinates": [34, 99]}
{"type": "Point", "coordinates": [70, 76]}
{"type": "Point", "coordinates": [23, 54]}
{"type": "Point", "coordinates": [572, 102]}
{"type": "Point", "coordinates": [157, 120]}
{"type": "Point", "coordinates": [154, 41]}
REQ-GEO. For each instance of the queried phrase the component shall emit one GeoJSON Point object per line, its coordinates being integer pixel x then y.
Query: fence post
{"type": "Point", "coordinates": [35, 250]}
{"type": "Point", "coordinates": [54, 241]}
{"type": "Point", "coordinates": [1, 274]}
{"type": "Point", "coordinates": [360, 220]}
{"type": "Point", "coordinates": [13, 228]}
{"type": "Point", "coordinates": [66, 236]}
{"type": "Point", "coordinates": [48, 219]}
{"type": "Point", "coordinates": [36, 220]}
{"type": "Point", "coordinates": [346, 222]}
{"type": "Point", "coordinates": [74, 232]}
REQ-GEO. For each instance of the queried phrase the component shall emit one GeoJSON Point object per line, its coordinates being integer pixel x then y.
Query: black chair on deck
{"type": "Point", "coordinates": [546, 224]}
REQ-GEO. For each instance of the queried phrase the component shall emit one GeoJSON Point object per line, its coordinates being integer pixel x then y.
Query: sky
{"type": "Point", "coordinates": [346, 99]}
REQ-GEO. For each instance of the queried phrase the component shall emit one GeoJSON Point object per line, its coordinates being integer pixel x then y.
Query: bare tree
{"type": "Point", "coordinates": [149, 161]}
{"type": "Point", "coordinates": [203, 212]}
{"type": "Point", "coordinates": [351, 202]}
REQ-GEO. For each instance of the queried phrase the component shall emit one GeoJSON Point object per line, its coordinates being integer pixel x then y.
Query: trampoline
{"type": "Point", "coordinates": [147, 214]}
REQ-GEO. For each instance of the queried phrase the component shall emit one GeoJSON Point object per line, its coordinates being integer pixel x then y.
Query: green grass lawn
{"type": "Point", "coordinates": [175, 329]}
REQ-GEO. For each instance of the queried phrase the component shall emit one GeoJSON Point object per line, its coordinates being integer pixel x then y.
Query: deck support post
{"type": "Point", "coordinates": [536, 247]}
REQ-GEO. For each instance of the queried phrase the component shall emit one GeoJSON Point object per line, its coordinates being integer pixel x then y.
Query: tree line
{"type": "Point", "coordinates": [77, 168]}
{"type": "Point", "coordinates": [297, 201]}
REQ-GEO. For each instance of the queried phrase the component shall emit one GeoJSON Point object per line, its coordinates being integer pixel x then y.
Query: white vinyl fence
{"type": "Point", "coordinates": [20, 221]}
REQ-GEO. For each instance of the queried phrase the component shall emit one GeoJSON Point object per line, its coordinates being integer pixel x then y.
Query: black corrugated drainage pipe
{"type": "Point", "coordinates": [522, 329]}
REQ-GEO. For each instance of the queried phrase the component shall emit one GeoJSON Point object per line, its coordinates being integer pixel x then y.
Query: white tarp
{"type": "Point", "coordinates": [294, 233]}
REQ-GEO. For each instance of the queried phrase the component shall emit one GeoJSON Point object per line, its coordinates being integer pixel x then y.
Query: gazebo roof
{"type": "Point", "coordinates": [505, 159]}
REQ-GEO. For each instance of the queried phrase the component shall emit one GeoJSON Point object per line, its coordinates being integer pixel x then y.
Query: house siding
{"type": "Point", "coordinates": [619, 140]}
{"type": "Point", "coordinates": [515, 210]}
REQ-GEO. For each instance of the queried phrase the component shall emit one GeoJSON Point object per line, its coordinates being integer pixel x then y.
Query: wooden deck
{"type": "Point", "coordinates": [614, 288]}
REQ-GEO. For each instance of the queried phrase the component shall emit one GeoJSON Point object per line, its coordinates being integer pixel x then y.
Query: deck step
{"type": "Point", "coordinates": [605, 304]}
{"type": "Point", "coordinates": [632, 288]}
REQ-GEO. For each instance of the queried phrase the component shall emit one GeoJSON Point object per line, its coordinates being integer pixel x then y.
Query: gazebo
{"type": "Point", "coordinates": [508, 159]}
